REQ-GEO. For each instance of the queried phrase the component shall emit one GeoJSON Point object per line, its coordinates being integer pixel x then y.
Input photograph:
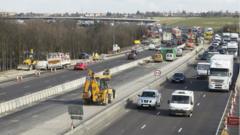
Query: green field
{"type": "Point", "coordinates": [214, 22]}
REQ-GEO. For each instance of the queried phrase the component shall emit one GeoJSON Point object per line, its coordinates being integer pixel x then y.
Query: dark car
{"type": "Point", "coordinates": [203, 56]}
{"type": "Point", "coordinates": [84, 56]}
{"type": "Point", "coordinates": [178, 77]}
{"type": "Point", "coordinates": [132, 56]}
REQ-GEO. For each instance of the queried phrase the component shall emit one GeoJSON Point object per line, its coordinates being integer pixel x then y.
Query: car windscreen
{"type": "Point", "coordinates": [203, 66]}
{"type": "Point", "coordinates": [218, 72]}
{"type": "Point", "coordinates": [148, 94]}
{"type": "Point", "coordinates": [178, 74]}
{"type": "Point", "coordinates": [180, 99]}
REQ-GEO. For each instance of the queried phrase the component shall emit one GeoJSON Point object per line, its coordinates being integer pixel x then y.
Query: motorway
{"type": "Point", "coordinates": [50, 116]}
{"type": "Point", "coordinates": [209, 107]}
{"type": "Point", "coordinates": [31, 84]}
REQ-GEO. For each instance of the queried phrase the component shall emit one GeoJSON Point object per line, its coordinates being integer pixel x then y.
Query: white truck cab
{"type": "Point", "coordinates": [221, 72]}
{"type": "Point", "coordinates": [232, 48]}
{"type": "Point", "coordinates": [149, 98]}
{"type": "Point", "coordinates": [181, 103]}
{"type": "Point", "coordinates": [203, 69]}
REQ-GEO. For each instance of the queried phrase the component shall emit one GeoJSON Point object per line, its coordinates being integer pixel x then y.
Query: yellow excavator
{"type": "Point", "coordinates": [97, 90]}
{"type": "Point", "coordinates": [28, 63]}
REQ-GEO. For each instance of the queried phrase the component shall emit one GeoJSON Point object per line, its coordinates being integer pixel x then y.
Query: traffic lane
{"type": "Point", "coordinates": [208, 110]}
{"type": "Point", "coordinates": [40, 83]}
{"type": "Point", "coordinates": [144, 121]}
{"type": "Point", "coordinates": [47, 110]}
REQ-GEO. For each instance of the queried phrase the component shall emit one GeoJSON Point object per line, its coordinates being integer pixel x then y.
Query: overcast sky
{"type": "Point", "coordinates": [123, 6]}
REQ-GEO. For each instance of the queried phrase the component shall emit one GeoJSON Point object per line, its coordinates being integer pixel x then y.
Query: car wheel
{"type": "Point", "coordinates": [190, 114]}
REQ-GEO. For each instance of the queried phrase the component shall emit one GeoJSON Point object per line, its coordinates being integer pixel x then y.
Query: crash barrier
{"type": "Point", "coordinates": [93, 124]}
{"type": "Point", "coordinates": [228, 117]}
{"type": "Point", "coordinates": [21, 102]}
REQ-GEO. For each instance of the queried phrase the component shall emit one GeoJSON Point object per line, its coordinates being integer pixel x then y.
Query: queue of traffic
{"type": "Point", "coordinates": [215, 64]}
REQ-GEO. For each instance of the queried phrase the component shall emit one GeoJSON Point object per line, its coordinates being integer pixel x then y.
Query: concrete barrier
{"type": "Point", "coordinates": [24, 101]}
{"type": "Point", "coordinates": [108, 115]}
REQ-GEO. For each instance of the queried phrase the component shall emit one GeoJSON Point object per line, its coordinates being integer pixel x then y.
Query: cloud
{"type": "Point", "coordinates": [117, 5]}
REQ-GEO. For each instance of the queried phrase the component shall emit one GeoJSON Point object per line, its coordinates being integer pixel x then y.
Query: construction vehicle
{"type": "Point", "coordinates": [97, 89]}
{"type": "Point", "coordinates": [157, 57]}
{"type": "Point", "coordinates": [96, 56]}
{"type": "Point", "coordinates": [29, 62]}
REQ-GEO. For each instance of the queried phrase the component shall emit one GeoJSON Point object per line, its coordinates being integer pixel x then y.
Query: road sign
{"type": "Point", "coordinates": [157, 72]}
{"type": "Point", "coordinates": [75, 111]}
{"type": "Point", "coordinates": [233, 120]}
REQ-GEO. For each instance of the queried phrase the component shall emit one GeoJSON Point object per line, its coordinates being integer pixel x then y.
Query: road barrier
{"type": "Point", "coordinates": [92, 125]}
{"type": "Point", "coordinates": [228, 118]}
{"type": "Point", "coordinates": [28, 100]}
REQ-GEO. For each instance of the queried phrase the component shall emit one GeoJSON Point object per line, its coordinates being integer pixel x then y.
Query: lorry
{"type": "Point", "coordinates": [221, 72]}
{"type": "Point", "coordinates": [166, 37]}
{"type": "Point", "coordinates": [58, 60]}
{"type": "Point", "coordinates": [176, 32]}
{"type": "Point", "coordinates": [116, 48]}
{"type": "Point", "coordinates": [169, 54]}
{"type": "Point", "coordinates": [232, 48]}
{"type": "Point", "coordinates": [97, 90]}
{"type": "Point", "coordinates": [208, 34]}
{"type": "Point", "coordinates": [202, 69]}
{"type": "Point", "coordinates": [181, 103]}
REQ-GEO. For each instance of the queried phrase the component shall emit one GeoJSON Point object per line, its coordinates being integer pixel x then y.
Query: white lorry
{"type": "Point", "coordinates": [203, 69]}
{"type": "Point", "coordinates": [166, 37]}
{"type": "Point", "coordinates": [58, 60]}
{"type": "Point", "coordinates": [181, 103]}
{"type": "Point", "coordinates": [232, 48]}
{"type": "Point", "coordinates": [221, 72]}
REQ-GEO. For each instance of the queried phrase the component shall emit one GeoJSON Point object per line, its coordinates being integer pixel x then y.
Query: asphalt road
{"type": "Point", "coordinates": [29, 118]}
{"type": "Point", "coordinates": [209, 107]}
{"type": "Point", "coordinates": [8, 92]}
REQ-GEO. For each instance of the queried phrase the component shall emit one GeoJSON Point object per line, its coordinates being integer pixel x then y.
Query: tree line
{"type": "Point", "coordinates": [63, 36]}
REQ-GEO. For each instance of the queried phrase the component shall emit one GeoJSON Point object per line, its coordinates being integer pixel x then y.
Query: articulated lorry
{"type": "Point", "coordinates": [58, 60]}
{"type": "Point", "coordinates": [221, 72]}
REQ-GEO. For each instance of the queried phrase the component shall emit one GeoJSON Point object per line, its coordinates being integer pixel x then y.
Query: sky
{"type": "Point", "coordinates": [122, 6]}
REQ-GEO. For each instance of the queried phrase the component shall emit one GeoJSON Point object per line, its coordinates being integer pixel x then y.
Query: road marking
{"type": "Point", "coordinates": [158, 113]}
{"type": "Point", "coordinates": [198, 104]}
{"type": "Point", "coordinates": [34, 116]}
{"type": "Point", "coordinates": [3, 93]}
{"type": "Point", "coordinates": [14, 121]}
{"type": "Point", "coordinates": [28, 86]}
{"type": "Point", "coordinates": [204, 95]}
{"type": "Point", "coordinates": [143, 126]}
{"type": "Point", "coordinates": [179, 130]}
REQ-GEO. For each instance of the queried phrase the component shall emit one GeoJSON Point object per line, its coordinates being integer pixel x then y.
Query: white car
{"type": "Point", "coordinates": [41, 65]}
{"type": "Point", "coordinates": [181, 103]}
{"type": "Point", "coordinates": [151, 47]}
{"type": "Point", "coordinates": [149, 98]}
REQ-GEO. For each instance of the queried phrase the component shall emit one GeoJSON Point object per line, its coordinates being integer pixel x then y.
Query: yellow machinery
{"type": "Point", "coordinates": [208, 35]}
{"type": "Point", "coordinates": [29, 62]}
{"type": "Point", "coordinates": [97, 90]}
{"type": "Point", "coordinates": [95, 56]}
{"type": "Point", "coordinates": [157, 57]}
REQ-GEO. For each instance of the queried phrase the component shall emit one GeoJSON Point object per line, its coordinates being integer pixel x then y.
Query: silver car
{"type": "Point", "coordinates": [149, 98]}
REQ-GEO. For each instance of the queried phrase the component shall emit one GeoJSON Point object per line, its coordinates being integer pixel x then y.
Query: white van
{"type": "Point", "coordinates": [181, 103]}
{"type": "Point", "coordinates": [43, 64]}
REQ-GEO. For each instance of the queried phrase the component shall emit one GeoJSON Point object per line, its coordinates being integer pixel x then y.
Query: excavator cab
{"type": "Point", "coordinates": [97, 89]}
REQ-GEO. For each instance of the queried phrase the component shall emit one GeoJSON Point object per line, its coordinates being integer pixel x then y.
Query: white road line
{"type": "Point", "coordinates": [204, 95]}
{"type": "Point", "coordinates": [179, 130]}
{"type": "Point", "coordinates": [158, 113]}
{"type": "Point", "coordinates": [28, 86]}
{"type": "Point", "coordinates": [34, 116]}
{"type": "Point", "coordinates": [143, 126]}
{"type": "Point", "coordinates": [14, 121]}
{"type": "Point", "coordinates": [198, 104]}
{"type": "Point", "coordinates": [2, 93]}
